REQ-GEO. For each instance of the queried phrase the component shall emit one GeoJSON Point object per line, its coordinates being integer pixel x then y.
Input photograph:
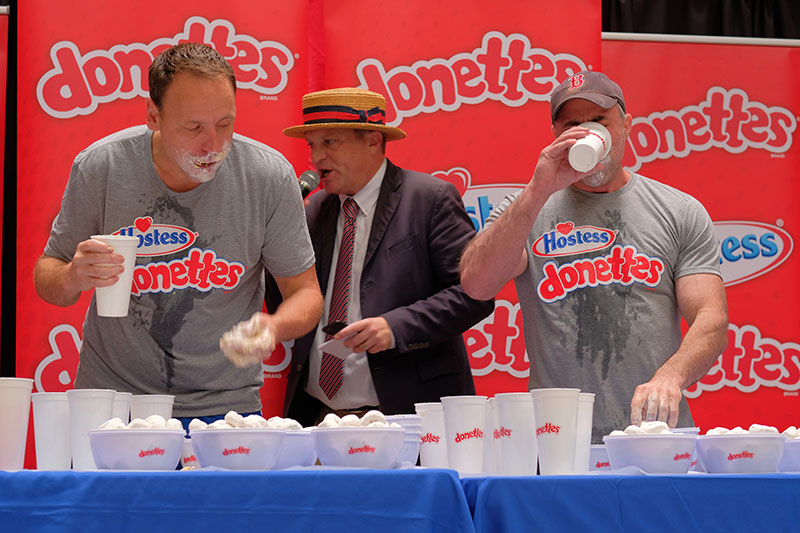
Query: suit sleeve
{"type": "Point", "coordinates": [449, 311]}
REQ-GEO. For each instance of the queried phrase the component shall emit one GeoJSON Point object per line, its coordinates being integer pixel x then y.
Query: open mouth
{"type": "Point", "coordinates": [204, 164]}
{"type": "Point", "coordinates": [323, 173]}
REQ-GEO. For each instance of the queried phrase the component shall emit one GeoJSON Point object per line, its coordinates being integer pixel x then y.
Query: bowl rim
{"type": "Point", "coordinates": [235, 431]}
{"type": "Point", "coordinates": [670, 436]}
{"type": "Point", "coordinates": [149, 431]}
{"type": "Point", "coordinates": [746, 435]}
{"type": "Point", "coordinates": [351, 428]}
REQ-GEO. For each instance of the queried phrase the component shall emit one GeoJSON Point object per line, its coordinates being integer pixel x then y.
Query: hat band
{"type": "Point", "coordinates": [342, 114]}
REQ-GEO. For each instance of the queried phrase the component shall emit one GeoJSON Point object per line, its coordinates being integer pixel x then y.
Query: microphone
{"type": "Point", "coordinates": [309, 180]}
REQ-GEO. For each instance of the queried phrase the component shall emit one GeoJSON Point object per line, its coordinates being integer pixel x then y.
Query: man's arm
{"type": "Point", "coordinates": [93, 265]}
{"type": "Point", "coordinates": [702, 302]}
{"type": "Point", "coordinates": [497, 254]}
{"type": "Point", "coordinates": [301, 308]}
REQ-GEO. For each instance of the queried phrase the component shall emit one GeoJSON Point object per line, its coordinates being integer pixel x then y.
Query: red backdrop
{"type": "Point", "coordinates": [471, 88]}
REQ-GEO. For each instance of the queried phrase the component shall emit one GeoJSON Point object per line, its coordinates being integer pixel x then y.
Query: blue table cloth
{"type": "Point", "coordinates": [704, 502]}
{"type": "Point", "coordinates": [229, 502]}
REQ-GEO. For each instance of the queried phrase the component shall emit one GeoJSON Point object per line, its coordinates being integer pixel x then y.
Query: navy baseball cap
{"type": "Point", "coordinates": [593, 86]}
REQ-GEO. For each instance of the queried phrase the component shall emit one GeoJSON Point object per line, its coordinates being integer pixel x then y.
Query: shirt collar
{"type": "Point", "coordinates": [367, 197]}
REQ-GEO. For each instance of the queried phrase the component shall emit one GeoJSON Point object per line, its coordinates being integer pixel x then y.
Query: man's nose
{"type": "Point", "coordinates": [212, 141]}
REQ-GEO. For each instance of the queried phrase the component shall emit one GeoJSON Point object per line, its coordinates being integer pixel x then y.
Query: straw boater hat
{"type": "Point", "coordinates": [346, 107]}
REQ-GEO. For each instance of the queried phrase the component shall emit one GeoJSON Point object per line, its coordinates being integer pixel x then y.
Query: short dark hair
{"type": "Point", "coordinates": [194, 58]}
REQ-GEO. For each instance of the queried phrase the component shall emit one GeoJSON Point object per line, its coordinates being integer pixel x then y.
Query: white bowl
{"type": "Point", "coordinates": [740, 454]}
{"type": "Point", "coordinates": [358, 447]}
{"type": "Point", "coordinates": [297, 450]}
{"type": "Point", "coordinates": [791, 456]}
{"type": "Point", "coordinates": [238, 449]}
{"type": "Point", "coordinates": [136, 449]}
{"type": "Point", "coordinates": [654, 454]}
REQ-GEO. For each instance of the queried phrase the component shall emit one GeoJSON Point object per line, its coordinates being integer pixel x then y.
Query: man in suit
{"type": "Point", "coordinates": [387, 243]}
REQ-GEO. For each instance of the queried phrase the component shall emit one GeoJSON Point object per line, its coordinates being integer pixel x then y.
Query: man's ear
{"type": "Point", "coordinates": [152, 115]}
{"type": "Point", "coordinates": [374, 138]}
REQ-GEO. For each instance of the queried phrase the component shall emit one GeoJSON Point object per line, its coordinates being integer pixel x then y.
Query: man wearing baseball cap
{"type": "Point", "coordinates": [605, 263]}
{"type": "Point", "coordinates": [387, 242]}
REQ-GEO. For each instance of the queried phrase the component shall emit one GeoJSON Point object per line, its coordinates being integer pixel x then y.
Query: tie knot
{"type": "Point", "coordinates": [350, 208]}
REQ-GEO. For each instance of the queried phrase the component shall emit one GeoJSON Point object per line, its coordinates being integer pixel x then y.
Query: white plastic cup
{"type": "Point", "coordinates": [464, 427]}
{"type": "Point", "coordinates": [113, 301]}
{"type": "Point", "coordinates": [122, 406]}
{"type": "Point", "coordinates": [515, 435]}
{"type": "Point", "coordinates": [188, 457]}
{"type": "Point", "coordinates": [491, 456]}
{"type": "Point", "coordinates": [88, 409]}
{"type": "Point", "coordinates": [433, 444]}
{"type": "Point", "coordinates": [15, 404]}
{"type": "Point", "coordinates": [598, 458]}
{"type": "Point", "coordinates": [51, 430]}
{"type": "Point", "coordinates": [556, 413]}
{"type": "Point", "coordinates": [144, 405]}
{"type": "Point", "coordinates": [583, 432]}
{"type": "Point", "coordinates": [588, 151]}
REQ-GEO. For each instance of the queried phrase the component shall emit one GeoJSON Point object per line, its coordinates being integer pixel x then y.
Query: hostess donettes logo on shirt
{"type": "Point", "coordinates": [158, 239]}
{"type": "Point", "coordinates": [567, 239]}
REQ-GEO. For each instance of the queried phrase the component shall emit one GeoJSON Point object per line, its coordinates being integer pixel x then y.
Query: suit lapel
{"type": "Point", "coordinates": [326, 239]}
{"type": "Point", "coordinates": [388, 199]}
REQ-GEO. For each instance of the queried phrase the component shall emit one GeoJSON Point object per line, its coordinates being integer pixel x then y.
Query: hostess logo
{"type": "Point", "coordinates": [479, 200]}
{"type": "Point", "coordinates": [567, 239]}
{"type": "Point", "coordinates": [158, 239]}
{"type": "Point", "coordinates": [750, 249]}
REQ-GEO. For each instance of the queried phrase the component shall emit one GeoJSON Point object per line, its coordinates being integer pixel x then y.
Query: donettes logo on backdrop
{"type": "Point", "coordinates": [79, 82]}
{"type": "Point", "coordinates": [726, 119]}
{"type": "Point", "coordinates": [504, 68]}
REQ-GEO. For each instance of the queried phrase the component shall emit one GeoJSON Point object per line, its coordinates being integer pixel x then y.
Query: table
{"type": "Point", "coordinates": [702, 502]}
{"type": "Point", "coordinates": [227, 501]}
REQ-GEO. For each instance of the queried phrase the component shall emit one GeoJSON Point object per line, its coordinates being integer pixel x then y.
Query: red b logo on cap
{"type": "Point", "coordinates": [576, 81]}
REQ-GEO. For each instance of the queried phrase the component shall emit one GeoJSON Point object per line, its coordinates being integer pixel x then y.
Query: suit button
{"type": "Point", "coordinates": [299, 368]}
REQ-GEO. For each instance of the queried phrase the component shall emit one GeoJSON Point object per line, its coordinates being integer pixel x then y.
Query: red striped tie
{"type": "Point", "coordinates": [331, 372]}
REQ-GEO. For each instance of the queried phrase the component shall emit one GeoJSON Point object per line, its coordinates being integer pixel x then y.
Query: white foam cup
{"type": "Point", "coordinates": [583, 432]}
{"type": "Point", "coordinates": [88, 409]}
{"type": "Point", "coordinates": [144, 405]}
{"type": "Point", "coordinates": [464, 427]}
{"type": "Point", "coordinates": [15, 405]}
{"type": "Point", "coordinates": [122, 406]}
{"type": "Point", "coordinates": [589, 150]}
{"type": "Point", "coordinates": [51, 430]}
{"type": "Point", "coordinates": [113, 301]}
{"type": "Point", "coordinates": [556, 413]}
{"type": "Point", "coordinates": [433, 445]}
{"type": "Point", "coordinates": [188, 457]}
{"type": "Point", "coordinates": [515, 434]}
{"type": "Point", "coordinates": [491, 457]}
{"type": "Point", "coordinates": [598, 458]}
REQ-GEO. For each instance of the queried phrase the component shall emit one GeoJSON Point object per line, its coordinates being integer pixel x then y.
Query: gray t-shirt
{"type": "Point", "coordinates": [200, 266]}
{"type": "Point", "coordinates": [598, 295]}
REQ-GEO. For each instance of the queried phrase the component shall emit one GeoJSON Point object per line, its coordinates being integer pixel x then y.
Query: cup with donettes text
{"type": "Point", "coordinates": [556, 412]}
{"type": "Point", "coordinates": [515, 434]}
{"type": "Point", "coordinates": [464, 426]}
{"type": "Point", "coordinates": [433, 446]}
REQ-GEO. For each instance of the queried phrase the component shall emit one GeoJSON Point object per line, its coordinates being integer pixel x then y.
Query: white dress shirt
{"type": "Point", "coordinates": [357, 389]}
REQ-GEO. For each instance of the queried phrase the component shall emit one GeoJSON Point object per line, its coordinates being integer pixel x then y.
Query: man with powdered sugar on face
{"type": "Point", "coordinates": [213, 210]}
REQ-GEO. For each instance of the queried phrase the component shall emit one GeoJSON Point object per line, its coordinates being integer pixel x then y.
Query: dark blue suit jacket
{"type": "Point", "coordinates": [411, 278]}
